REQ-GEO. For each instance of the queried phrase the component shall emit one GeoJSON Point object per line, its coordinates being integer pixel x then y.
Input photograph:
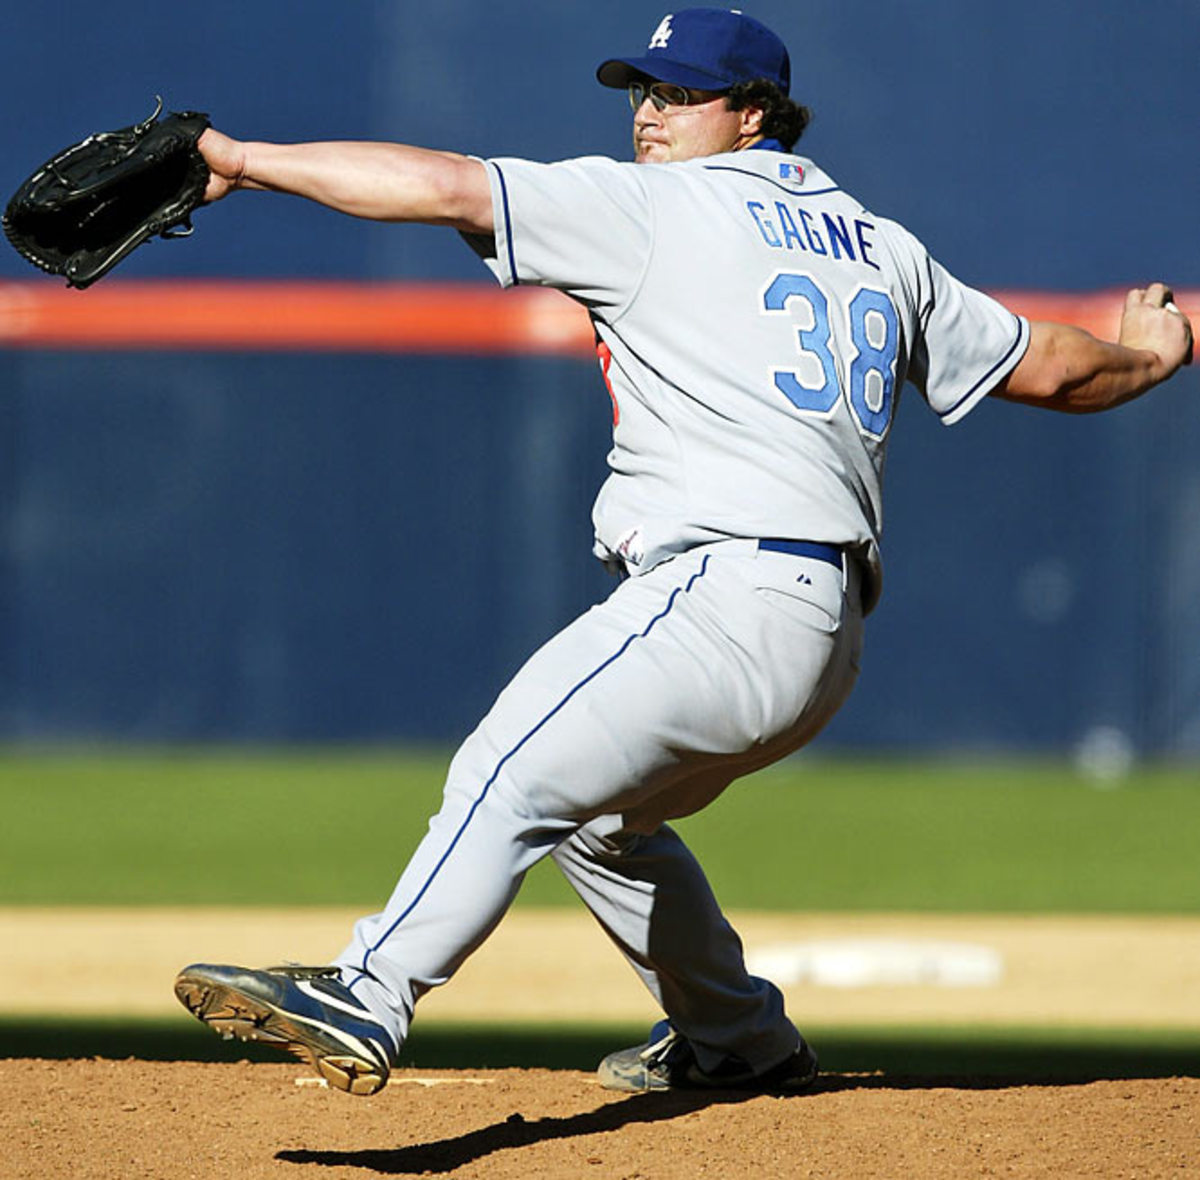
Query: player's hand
{"type": "Point", "coordinates": [226, 159]}
{"type": "Point", "coordinates": [1151, 322]}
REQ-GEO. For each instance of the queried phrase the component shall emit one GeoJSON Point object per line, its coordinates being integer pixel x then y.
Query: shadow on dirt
{"type": "Point", "coordinates": [446, 1155]}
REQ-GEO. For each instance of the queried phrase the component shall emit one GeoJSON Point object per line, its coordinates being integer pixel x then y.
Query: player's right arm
{"type": "Point", "coordinates": [380, 181]}
{"type": "Point", "coordinates": [1068, 369]}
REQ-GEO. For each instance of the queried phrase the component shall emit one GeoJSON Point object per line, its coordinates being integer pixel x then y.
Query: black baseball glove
{"type": "Point", "coordinates": [84, 210]}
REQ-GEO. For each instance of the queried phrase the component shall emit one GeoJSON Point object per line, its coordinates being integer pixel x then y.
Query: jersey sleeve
{"type": "Point", "coordinates": [583, 226]}
{"type": "Point", "coordinates": [966, 342]}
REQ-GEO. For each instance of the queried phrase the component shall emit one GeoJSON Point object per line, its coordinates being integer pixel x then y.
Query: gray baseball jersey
{"type": "Point", "coordinates": [756, 404]}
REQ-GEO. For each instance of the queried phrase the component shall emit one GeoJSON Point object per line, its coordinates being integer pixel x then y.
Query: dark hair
{"type": "Point", "coordinates": [783, 119]}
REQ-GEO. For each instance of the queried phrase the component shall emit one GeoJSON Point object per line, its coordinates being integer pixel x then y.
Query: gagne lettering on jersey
{"type": "Point", "coordinates": [827, 234]}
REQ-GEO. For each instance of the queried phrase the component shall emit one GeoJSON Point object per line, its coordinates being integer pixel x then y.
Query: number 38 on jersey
{"type": "Point", "coordinates": [812, 384]}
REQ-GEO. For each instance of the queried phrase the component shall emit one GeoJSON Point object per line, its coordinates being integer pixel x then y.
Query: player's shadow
{"type": "Point", "coordinates": [445, 1155]}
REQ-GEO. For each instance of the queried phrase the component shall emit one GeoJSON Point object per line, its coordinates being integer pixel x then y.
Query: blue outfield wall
{"type": "Point", "coordinates": [287, 546]}
{"type": "Point", "coordinates": [333, 547]}
{"type": "Point", "coordinates": [343, 547]}
{"type": "Point", "coordinates": [1028, 144]}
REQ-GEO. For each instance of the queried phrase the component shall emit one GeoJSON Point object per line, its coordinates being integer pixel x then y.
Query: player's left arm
{"type": "Point", "coordinates": [379, 181]}
{"type": "Point", "coordinates": [1068, 369]}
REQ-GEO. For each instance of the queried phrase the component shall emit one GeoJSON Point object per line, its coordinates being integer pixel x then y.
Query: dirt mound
{"type": "Point", "coordinates": [110, 1119]}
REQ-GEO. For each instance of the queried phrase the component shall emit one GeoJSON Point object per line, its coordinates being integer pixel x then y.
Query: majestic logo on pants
{"type": "Point", "coordinates": [663, 33]}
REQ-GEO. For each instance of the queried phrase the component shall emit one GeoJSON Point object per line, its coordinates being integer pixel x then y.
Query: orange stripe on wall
{"type": "Point", "coordinates": [303, 316]}
{"type": "Point", "coordinates": [372, 317]}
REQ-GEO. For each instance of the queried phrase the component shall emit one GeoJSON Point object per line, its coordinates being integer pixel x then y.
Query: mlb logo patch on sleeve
{"type": "Point", "coordinates": [791, 172]}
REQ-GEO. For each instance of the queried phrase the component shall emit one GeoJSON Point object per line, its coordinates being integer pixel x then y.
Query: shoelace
{"type": "Point", "coordinates": [658, 1055]}
{"type": "Point", "coordinates": [299, 971]}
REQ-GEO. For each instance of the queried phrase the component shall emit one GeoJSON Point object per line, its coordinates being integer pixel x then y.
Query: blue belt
{"type": "Point", "coordinates": [815, 549]}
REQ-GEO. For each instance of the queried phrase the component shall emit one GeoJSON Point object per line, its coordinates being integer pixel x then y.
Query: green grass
{"type": "Point", "coordinates": [966, 1055]}
{"type": "Point", "coordinates": [210, 827]}
{"type": "Point", "coordinates": [322, 826]}
{"type": "Point", "coordinates": [954, 838]}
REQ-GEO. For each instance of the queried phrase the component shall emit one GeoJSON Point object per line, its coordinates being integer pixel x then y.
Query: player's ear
{"type": "Point", "coordinates": [752, 120]}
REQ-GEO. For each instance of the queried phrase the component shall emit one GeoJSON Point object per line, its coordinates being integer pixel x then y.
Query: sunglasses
{"type": "Point", "coordinates": [666, 94]}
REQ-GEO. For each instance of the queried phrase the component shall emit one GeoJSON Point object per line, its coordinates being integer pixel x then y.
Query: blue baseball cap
{"type": "Point", "coordinates": [705, 49]}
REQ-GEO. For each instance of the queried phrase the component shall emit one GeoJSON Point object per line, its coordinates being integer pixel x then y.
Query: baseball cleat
{"type": "Point", "coordinates": [306, 1011]}
{"type": "Point", "coordinates": [668, 1062]}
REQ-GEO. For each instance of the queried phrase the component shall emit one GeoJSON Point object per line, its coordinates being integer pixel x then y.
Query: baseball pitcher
{"type": "Point", "coordinates": [755, 326]}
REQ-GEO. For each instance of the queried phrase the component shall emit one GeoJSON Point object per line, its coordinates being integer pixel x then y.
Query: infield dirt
{"type": "Point", "coordinates": [555, 965]}
{"type": "Point", "coordinates": [104, 1119]}
{"type": "Point", "coordinates": [112, 1120]}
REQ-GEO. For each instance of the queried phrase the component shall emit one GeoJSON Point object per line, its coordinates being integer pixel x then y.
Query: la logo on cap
{"type": "Point", "coordinates": [662, 34]}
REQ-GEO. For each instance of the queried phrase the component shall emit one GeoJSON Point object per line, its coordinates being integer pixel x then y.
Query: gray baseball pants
{"type": "Point", "coordinates": [709, 666]}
